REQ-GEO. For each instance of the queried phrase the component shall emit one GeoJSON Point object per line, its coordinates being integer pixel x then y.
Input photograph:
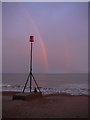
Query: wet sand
{"type": "Point", "coordinates": [48, 106]}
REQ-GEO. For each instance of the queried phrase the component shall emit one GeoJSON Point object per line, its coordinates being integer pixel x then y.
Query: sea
{"type": "Point", "coordinates": [74, 84]}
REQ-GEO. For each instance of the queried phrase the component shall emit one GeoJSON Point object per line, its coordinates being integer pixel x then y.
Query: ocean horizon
{"type": "Point", "coordinates": [74, 84]}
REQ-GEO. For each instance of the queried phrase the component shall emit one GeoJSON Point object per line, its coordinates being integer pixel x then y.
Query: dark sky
{"type": "Point", "coordinates": [61, 37]}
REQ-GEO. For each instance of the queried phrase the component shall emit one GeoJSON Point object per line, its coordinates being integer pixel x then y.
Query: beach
{"type": "Point", "coordinates": [47, 106]}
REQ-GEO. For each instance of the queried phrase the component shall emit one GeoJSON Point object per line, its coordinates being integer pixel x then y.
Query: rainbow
{"type": "Point", "coordinates": [41, 43]}
{"type": "Point", "coordinates": [40, 38]}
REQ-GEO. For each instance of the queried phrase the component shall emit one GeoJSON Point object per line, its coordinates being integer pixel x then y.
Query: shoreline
{"type": "Point", "coordinates": [9, 93]}
{"type": "Point", "coordinates": [48, 106]}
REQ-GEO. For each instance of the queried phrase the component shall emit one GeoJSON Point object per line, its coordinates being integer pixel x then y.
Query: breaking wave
{"type": "Point", "coordinates": [72, 90]}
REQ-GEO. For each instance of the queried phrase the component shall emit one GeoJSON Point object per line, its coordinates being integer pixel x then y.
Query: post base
{"type": "Point", "coordinates": [27, 96]}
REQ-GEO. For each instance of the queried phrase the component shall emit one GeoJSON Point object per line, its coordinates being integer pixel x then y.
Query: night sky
{"type": "Point", "coordinates": [61, 37]}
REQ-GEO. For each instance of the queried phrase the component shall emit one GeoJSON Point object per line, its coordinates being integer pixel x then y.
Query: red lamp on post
{"type": "Point", "coordinates": [31, 38]}
{"type": "Point", "coordinates": [30, 73]}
